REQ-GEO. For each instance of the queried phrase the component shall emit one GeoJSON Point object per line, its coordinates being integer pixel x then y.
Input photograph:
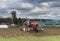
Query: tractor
{"type": "Point", "coordinates": [31, 27]}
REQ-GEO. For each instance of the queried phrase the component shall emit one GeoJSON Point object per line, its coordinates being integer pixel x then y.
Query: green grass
{"type": "Point", "coordinates": [14, 34]}
{"type": "Point", "coordinates": [32, 38]}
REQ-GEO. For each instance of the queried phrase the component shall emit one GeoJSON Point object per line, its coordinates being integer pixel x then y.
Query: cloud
{"type": "Point", "coordinates": [38, 10]}
{"type": "Point", "coordinates": [43, 12]}
{"type": "Point", "coordinates": [31, 8]}
{"type": "Point", "coordinates": [38, 1]}
{"type": "Point", "coordinates": [53, 14]}
{"type": "Point", "coordinates": [49, 4]}
{"type": "Point", "coordinates": [20, 6]}
{"type": "Point", "coordinates": [2, 3]}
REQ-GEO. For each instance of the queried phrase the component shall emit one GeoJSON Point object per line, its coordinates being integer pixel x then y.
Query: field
{"type": "Point", "coordinates": [14, 34]}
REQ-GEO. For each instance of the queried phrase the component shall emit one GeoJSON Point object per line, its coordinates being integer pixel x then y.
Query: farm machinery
{"type": "Point", "coordinates": [31, 27]}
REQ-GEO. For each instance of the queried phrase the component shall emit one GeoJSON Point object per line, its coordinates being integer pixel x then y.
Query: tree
{"type": "Point", "coordinates": [14, 19]}
{"type": "Point", "coordinates": [20, 21]}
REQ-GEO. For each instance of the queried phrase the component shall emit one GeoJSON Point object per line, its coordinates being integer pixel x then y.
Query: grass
{"type": "Point", "coordinates": [14, 34]}
{"type": "Point", "coordinates": [32, 38]}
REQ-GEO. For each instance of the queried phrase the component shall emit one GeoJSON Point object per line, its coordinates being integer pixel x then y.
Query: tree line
{"type": "Point", "coordinates": [16, 21]}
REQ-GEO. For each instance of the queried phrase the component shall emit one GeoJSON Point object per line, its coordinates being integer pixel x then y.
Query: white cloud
{"type": "Point", "coordinates": [25, 5]}
{"type": "Point", "coordinates": [47, 9]}
{"type": "Point", "coordinates": [45, 4]}
{"type": "Point", "coordinates": [38, 10]}
{"type": "Point", "coordinates": [2, 3]}
{"type": "Point", "coordinates": [20, 6]}
{"type": "Point", "coordinates": [44, 13]}
{"type": "Point", "coordinates": [49, 13]}
{"type": "Point", "coordinates": [50, 4]}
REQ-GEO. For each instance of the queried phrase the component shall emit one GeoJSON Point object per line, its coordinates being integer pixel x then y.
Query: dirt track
{"type": "Point", "coordinates": [14, 32]}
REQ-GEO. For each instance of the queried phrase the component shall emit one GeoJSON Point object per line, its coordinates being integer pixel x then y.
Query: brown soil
{"type": "Point", "coordinates": [14, 32]}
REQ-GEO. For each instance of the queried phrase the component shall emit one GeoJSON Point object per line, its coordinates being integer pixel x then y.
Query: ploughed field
{"type": "Point", "coordinates": [15, 32]}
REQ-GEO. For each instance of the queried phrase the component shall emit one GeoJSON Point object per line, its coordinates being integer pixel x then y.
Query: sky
{"type": "Point", "coordinates": [34, 9]}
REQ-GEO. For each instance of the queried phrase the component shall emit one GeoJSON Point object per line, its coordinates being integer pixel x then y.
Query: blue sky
{"type": "Point", "coordinates": [39, 9]}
